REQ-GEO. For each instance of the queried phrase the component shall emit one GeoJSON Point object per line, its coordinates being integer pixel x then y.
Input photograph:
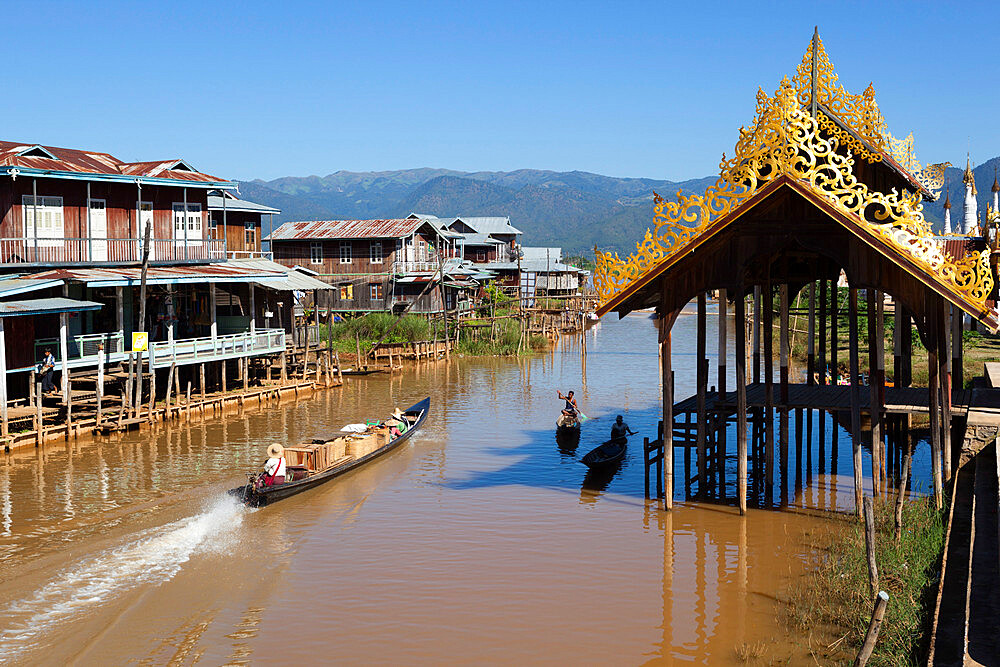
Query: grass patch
{"type": "Point", "coordinates": [835, 595]}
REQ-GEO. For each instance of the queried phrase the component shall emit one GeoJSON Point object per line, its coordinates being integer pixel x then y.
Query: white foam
{"type": "Point", "coordinates": [154, 556]}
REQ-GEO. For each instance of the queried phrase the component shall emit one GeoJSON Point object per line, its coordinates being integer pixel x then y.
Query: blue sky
{"type": "Point", "coordinates": [262, 90]}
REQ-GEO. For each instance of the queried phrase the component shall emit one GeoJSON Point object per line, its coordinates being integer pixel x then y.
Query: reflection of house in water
{"type": "Point", "coordinates": [73, 225]}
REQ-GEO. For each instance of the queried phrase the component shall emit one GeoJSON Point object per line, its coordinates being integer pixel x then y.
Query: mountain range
{"type": "Point", "coordinates": [575, 210]}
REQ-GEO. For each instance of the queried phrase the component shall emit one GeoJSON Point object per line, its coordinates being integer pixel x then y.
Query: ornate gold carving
{"type": "Point", "coordinates": [932, 177]}
{"type": "Point", "coordinates": [786, 140]}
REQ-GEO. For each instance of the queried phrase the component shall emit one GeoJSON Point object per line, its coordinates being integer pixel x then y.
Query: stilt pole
{"type": "Point", "coordinates": [852, 327]}
{"type": "Point", "coordinates": [741, 403]}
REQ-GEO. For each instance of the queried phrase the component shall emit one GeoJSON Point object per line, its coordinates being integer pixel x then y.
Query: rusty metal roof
{"type": "Point", "coordinates": [45, 306]}
{"type": "Point", "coordinates": [54, 161]}
{"type": "Point", "coordinates": [223, 272]}
{"type": "Point", "coordinates": [959, 247]}
{"type": "Point", "coordinates": [314, 230]}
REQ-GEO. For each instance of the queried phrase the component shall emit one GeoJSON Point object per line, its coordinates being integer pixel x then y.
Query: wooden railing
{"type": "Point", "coordinates": [23, 250]}
{"type": "Point", "coordinates": [231, 346]}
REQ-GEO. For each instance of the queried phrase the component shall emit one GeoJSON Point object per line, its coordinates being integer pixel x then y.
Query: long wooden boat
{"type": "Point", "coordinates": [311, 464]}
{"type": "Point", "coordinates": [567, 425]}
{"type": "Point", "coordinates": [606, 454]}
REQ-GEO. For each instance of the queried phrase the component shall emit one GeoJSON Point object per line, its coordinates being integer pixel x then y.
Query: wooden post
{"type": "Point", "coordinates": [177, 388]}
{"type": "Point", "coordinates": [225, 388]}
{"type": "Point", "coordinates": [666, 323]}
{"type": "Point", "coordinates": [901, 491]}
{"type": "Point", "coordinates": [811, 334]}
{"type": "Point", "coordinates": [906, 349]}
{"type": "Point", "coordinates": [100, 382]}
{"type": "Point", "coordinates": [957, 362]}
{"type": "Point", "coordinates": [340, 373]}
{"type": "Point", "coordinates": [783, 343]}
{"type": "Point", "coordinates": [767, 324]}
{"type": "Point", "coordinates": [934, 395]}
{"type": "Point", "coordinates": [741, 403]}
{"type": "Point", "coordinates": [38, 415]}
{"type": "Point", "coordinates": [873, 629]}
{"type": "Point", "coordinates": [834, 333]}
{"type": "Point", "coordinates": [246, 370]}
{"type": "Point", "coordinates": [127, 399]}
{"type": "Point", "coordinates": [721, 433]}
{"type": "Point", "coordinates": [852, 327]}
{"type": "Point", "coordinates": [357, 341]}
{"type": "Point", "coordinates": [201, 380]}
{"type": "Point", "coordinates": [822, 331]}
{"type": "Point", "coordinates": [3, 383]}
{"type": "Point", "coordinates": [944, 380]}
{"type": "Point", "coordinates": [897, 343]}
{"type": "Point", "coordinates": [869, 515]}
{"type": "Point", "coordinates": [170, 383]}
{"type": "Point", "coordinates": [702, 379]}
{"type": "Point", "coordinates": [874, 391]}
{"type": "Point", "coordinates": [756, 333]}
{"type": "Point", "coordinates": [64, 353]}
{"type": "Point", "coordinates": [187, 401]}
{"type": "Point", "coordinates": [69, 404]}
{"type": "Point", "coordinates": [152, 395]}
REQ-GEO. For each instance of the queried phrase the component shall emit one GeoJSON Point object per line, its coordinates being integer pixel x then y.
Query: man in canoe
{"type": "Point", "coordinates": [274, 467]}
{"type": "Point", "coordinates": [620, 429]}
{"type": "Point", "coordinates": [571, 409]}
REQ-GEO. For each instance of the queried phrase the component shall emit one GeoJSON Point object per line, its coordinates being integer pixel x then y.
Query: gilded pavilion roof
{"type": "Point", "coordinates": [814, 131]}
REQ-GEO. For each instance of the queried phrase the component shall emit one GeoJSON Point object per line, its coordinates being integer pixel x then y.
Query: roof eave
{"type": "Point", "coordinates": [114, 178]}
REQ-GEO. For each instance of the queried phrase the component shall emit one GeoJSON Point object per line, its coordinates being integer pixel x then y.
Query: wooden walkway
{"type": "Point", "coordinates": [898, 400]}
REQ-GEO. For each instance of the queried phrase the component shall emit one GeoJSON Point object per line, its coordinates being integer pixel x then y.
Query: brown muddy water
{"type": "Point", "coordinates": [481, 540]}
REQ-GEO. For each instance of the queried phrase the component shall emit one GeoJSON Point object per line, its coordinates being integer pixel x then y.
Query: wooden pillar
{"type": "Point", "coordinates": [906, 349]}
{"type": "Point", "coordinates": [897, 343]}
{"type": "Point", "coordinates": [3, 382]}
{"type": "Point", "coordinates": [756, 333]}
{"type": "Point", "coordinates": [957, 362]}
{"type": "Point", "coordinates": [767, 325]}
{"type": "Point", "coordinates": [875, 336]}
{"type": "Point", "coordinates": [852, 327]}
{"type": "Point", "coordinates": [741, 403]}
{"type": "Point", "coordinates": [222, 370]}
{"type": "Point", "coordinates": [720, 438]}
{"type": "Point", "coordinates": [253, 308]}
{"type": "Point", "coordinates": [214, 307]}
{"type": "Point", "coordinates": [64, 354]}
{"type": "Point", "coordinates": [101, 355]}
{"type": "Point", "coordinates": [201, 381]}
{"type": "Point", "coordinates": [120, 309]}
{"type": "Point", "coordinates": [834, 330]}
{"type": "Point", "coordinates": [666, 324]}
{"type": "Point", "coordinates": [934, 397]}
{"type": "Point", "coordinates": [783, 343]}
{"type": "Point", "coordinates": [944, 380]}
{"type": "Point", "coordinates": [822, 330]}
{"type": "Point", "coordinates": [702, 378]}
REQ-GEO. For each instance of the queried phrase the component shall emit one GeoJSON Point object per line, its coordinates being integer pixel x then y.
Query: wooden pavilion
{"type": "Point", "coordinates": [816, 185]}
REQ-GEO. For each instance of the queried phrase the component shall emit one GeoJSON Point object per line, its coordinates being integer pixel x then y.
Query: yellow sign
{"type": "Point", "coordinates": [140, 341]}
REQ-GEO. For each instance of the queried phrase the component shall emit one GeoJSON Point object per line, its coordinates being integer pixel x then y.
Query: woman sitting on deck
{"type": "Point", "coordinates": [274, 468]}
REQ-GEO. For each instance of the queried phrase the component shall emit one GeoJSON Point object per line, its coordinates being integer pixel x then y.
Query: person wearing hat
{"type": "Point", "coordinates": [274, 468]}
{"type": "Point", "coordinates": [397, 421]}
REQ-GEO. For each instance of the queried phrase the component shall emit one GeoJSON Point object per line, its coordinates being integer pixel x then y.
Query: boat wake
{"type": "Point", "coordinates": [153, 556]}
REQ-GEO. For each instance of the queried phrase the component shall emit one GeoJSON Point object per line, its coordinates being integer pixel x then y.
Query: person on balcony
{"type": "Point", "coordinates": [47, 369]}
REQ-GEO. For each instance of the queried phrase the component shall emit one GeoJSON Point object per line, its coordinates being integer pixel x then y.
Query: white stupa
{"type": "Point", "coordinates": [970, 213]}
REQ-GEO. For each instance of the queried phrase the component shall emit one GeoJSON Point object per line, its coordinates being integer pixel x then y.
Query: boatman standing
{"type": "Point", "coordinates": [274, 468]}
{"type": "Point", "coordinates": [620, 429]}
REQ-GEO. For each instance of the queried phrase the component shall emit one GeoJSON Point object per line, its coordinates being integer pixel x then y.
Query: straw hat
{"type": "Point", "coordinates": [393, 422]}
{"type": "Point", "coordinates": [275, 451]}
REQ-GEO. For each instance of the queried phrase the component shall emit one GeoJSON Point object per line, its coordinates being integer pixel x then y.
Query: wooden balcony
{"type": "Point", "coordinates": [55, 251]}
{"type": "Point", "coordinates": [83, 353]}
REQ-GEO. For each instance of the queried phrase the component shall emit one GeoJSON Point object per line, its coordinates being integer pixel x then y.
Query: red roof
{"type": "Point", "coordinates": [36, 156]}
{"type": "Point", "coordinates": [346, 229]}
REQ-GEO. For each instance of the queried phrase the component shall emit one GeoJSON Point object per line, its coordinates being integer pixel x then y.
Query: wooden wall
{"type": "Point", "coordinates": [292, 253]}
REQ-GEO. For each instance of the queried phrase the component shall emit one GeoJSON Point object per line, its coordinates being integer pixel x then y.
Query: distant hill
{"type": "Point", "coordinates": [984, 173]}
{"type": "Point", "coordinates": [576, 210]}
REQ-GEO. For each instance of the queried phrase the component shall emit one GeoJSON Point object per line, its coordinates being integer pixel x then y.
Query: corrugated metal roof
{"type": "Point", "coordinates": [74, 161]}
{"type": "Point", "coordinates": [490, 224]}
{"type": "Point", "coordinates": [289, 280]}
{"type": "Point", "coordinates": [45, 306]}
{"type": "Point", "coordinates": [533, 266]}
{"type": "Point", "coordinates": [346, 229]}
{"type": "Point", "coordinates": [223, 272]}
{"type": "Point", "coordinates": [14, 286]}
{"type": "Point", "coordinates": [532, 252]}
{"type": "Point", "coordinates": [479, 239]}
{"type": "Point", "coordinates": [240, 205]}
{"type": "Point", "coordinates": [959, 247]}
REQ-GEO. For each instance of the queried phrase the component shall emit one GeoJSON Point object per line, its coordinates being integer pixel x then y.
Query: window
{"type": "Point", "coordinates": [480, 255]}
{"type": "Point", "coordinates": [346, 292]}
{"type": "Point", "coordinates": [250, 236]}
{"type": "Point", "coordinates": [193, 227]}
{"type": "Point", "coordinates": [50, 218]}
{"type": "Point", "coordinates": [421, 251]}
{"type": "Point", "coordinates": [376, 291]}
{"type": "Point", "coordinates": [376, 252]}
{"type": "Point", "coordinates": [213, 227]}
{"type": "Point", "coordinates": [345, 252]}
{"type": "Point", "coordinates": [316, 252]}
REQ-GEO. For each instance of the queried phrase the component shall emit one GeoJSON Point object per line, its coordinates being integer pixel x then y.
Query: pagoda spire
{"type": "Point", "coordinates": [970, 209]}
{"type": "Point", "coordinates": [996, 192]}
{"type": "Point", "coordinates": [947, 213]}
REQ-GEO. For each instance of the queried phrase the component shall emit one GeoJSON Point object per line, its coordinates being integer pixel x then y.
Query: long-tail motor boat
{"type": "Point", "coordinates": [311, 464]}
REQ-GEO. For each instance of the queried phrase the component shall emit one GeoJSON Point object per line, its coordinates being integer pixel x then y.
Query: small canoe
{"type": "Point", "coordinates": [340, 454]}
{"type": "Point", "coordinates": [606, 454]}
{"type": "Point", "coordinates": [567, 425]}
